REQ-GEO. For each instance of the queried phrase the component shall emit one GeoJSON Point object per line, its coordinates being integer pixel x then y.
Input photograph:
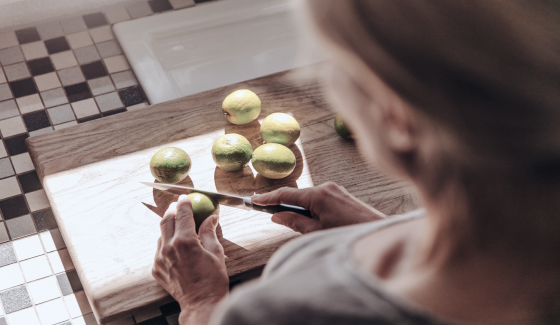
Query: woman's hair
{"type": "Point", "coordinates": [488, 73]}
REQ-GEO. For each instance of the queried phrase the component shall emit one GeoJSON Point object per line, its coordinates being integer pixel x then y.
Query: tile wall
{"type": "Point", "coordinates": [53, 76]}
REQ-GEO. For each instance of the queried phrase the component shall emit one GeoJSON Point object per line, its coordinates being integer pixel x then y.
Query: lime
{"type": "Point", "coordinates": [202, 206]}
{"type": "Point", "coordinates": [280, 128]}
{"type": "Point", "coordinates": [241, 106]}
{"type": "Point", "coordinates": [341, 128]}
{"type": "Point", "coordinates": [274, 161]}
{"type": "Point", "coordinates": [170, 165]}
{"type": "Point", "coordinates": [232, 152]}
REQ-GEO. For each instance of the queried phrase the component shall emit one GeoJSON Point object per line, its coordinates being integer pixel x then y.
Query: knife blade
{"type": "Point", "coordinates": [240, 202]}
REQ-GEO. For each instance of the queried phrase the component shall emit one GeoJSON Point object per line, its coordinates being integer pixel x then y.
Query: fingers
{"type": "Point", "coordinates": [296, 222]}
{"type": "Point", "coordinates": [167, 223]}
{"type": "Point", "coordinates": [184, 221]}
{"type": "Point", "coordinates": [209, 238]}
{"type": "Point", "coordinates": [286, 195]}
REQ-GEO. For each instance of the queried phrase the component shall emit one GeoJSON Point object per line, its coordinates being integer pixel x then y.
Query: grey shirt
{"type": "Point", "coordinates": [314, 280]}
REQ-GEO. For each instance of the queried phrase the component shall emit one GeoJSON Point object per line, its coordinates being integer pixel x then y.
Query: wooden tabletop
{"type": "Point", "coordinates": [92, 173]}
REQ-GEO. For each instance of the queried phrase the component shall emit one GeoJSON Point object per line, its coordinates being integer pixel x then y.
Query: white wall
{"type": "Point", "coordinates": [25, 12]}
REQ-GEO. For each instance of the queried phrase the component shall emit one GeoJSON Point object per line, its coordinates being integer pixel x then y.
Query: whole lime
{"type": "Point", "coordinates": [241, 106]}
{"type": "Point", "coordinates": [202, 206]}
{"type": "Point", "coordinates": [232, 152]}
{"type": "Point", "coordinates": [341, 128]}
{"type": "Point", "coordinates": [170, 165]}
{"type": "Point", "coordinates": [274, 161]}
{"type": "Point", "coordinates": [280, 128]}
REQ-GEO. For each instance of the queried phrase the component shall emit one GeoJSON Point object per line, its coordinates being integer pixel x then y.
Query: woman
{"type": "Point", "coordinates": [461, 98]}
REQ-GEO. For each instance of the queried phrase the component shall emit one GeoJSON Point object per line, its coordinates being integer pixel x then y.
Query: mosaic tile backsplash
{"type": "Point", "coordinates": [53, 76]}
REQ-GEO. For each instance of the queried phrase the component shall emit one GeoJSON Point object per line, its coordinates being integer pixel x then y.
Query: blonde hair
{"type": "Point", "coordinates": [488, 72]}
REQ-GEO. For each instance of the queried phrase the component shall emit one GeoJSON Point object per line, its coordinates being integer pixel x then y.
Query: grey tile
{"type": "Point", "coordinates": [109, 48]}
{"type": "Point", "coordinates": [3, 321]}
{"type": "Point", "coordinates": [54, 97]}
{"type": "Point", "coordinates": [3, 233]}
{"type": "Point", "coordinates": [100, 85]}
{"type": "Point", "coordinates": [66, 323]}
{"type": "Point", "coordinates": [15, 299]}
{"type": "Point", "coordinates": [50, 31]}
{"type": "Point", "coordinates": [5, 92]}
{"type": "Point", "coordinates": [21, 226]}
{"type": "Point", "coordinates": [124, 79]}
{"type": "Point", "coordinates": [64, 284]}
{"type": "Point", "coordinates": [138, 10]}
{"type": "Point", "coordinates": [73, 25]}
{"type": "Point", "coordinates": [109, 102]}
{"type": "Point", "coordinates": [89, 319]}
{"type": "Point", "coordinates": [71, 76]}
{"type": "Point", "coordinates": [87, 54]}
{"type": "Point", "coordinates": [41, 131]}
{"type": "Point", "coordinates": [6, 168]}
{"type": "Point", "coordinates": [17, 71]}
{"type": "Point", "coordinates": [61, 114]}
{"type": "Point", "coordinates": [8, 109]}
{"type": "Point", "coordinates": [11, 55]}
{"type": "Point", "coordinates": [7, 255]}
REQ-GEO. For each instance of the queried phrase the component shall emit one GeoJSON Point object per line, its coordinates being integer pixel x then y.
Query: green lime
{"type": "Point", "coordinates": [241, 106]}
{"type": "Point", "coordinates": [232, 152]}
{"type": "Point", "coordinates": [280, 128]}
{"type": "Point", "coordinates": [274, 160]}
{"type": "Point", "coordinates": [341, 128]}
{"type": "Point", "coordinates": [202, 206]}
{"type": "Point", "coordinates": [170, 165]}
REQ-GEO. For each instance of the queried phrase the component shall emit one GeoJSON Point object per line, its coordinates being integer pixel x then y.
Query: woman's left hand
{"type": "Point", "coordinates": [191, 267]}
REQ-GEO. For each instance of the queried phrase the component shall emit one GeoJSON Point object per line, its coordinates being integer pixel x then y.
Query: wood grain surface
{"type": "Point", "coordinates": [92, 173]}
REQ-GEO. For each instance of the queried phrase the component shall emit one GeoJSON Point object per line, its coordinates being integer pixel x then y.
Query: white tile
{"type": "Point", "coordinates": [85, 108]}
{"type": "Point", "coordinates": [22, 163]}
{"type": "Point", "coordinates": [64, 60]}
{"type": "Point", "coordinates": [25, 316]}
{"type": "Point", "coordinates": [43, 290]}
{"type": "Point", "coordinates": [48, 241]}
{"type": "Point", "coordinates": [137, 106]}
{"type": "Point", "coordinates": [30, 103]}
{"type": "Point", "coordinates": [178, 4]}
{"type": "Point", "coordinates": [3, 152]}
{"type": "Point", "coordinates": [101, 34]}
{"type": "Point", "coordinates": [10, 276]}
{"type": "Point", "coordinates": [37, 200]}
{"type": "Point", "coordinates": [147, 313]}
{"type": "Point", "coordinates": [116, 64]}
{"type": "Point", "coordinates": [28, 247]}
{"type": "Point", "coordinates": [34, 50]}
{"type": "Point", "coordinates": [88, 319]}
{"type": "Point", "coordinates": [47, 81]}
{"type": "Point", "coordinates": [2, 77]}
{"type": "Point", "coordinates": [12, 126]}
{"type": "Point", "coordinates": [52, 312]}
{"type": "Point", "coordinates": [8, 39]}
{"type": "Point", "coordinates": [61, 261]}
{"type": "Point", "coordinates": [78, 40]}
{"type": "Point", "coordinates": [77, 304]}
{"type": "Point", "coordinates": [41, 131]}
{"type": "Point", "coordinates": [35, 268]}
{"type": "Point", "coordinates": [65, 125]}
{"type": "Point", "coordinates": [114, 15]}
{"type": "Point", "coordinates": [9, 187]}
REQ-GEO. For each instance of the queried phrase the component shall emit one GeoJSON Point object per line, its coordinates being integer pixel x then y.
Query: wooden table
{"type": "Point", "coordinates": [92, 172]}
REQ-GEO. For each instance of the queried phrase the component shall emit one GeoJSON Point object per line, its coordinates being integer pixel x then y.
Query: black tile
{"type": "Point", "coordinates": [89, 118]}
{"type": "Point", "coordinates": [57, 45]}
{"type": "Point", "coordinates": [132, 96]}
{"type": "Point", "coordinates": [64, 284]}
{"type": "Point", "coordinates": [13, 207]}
{"type": "Point", "coordinates": [44, 220]}
{"type": "Point", "coordinates": [95, 20]}
{"type": "Point", "coordinates": [78, 92]}
{"type": "Point", "coordinates": [160, 320]}
{"type": "Point", "coordinates": [117, 111]}
{"type": "Point", "coordinates": [200, 1]}
{"type": "Point", "coordinates": [94, 70]}
{"type": "Point", "coordinates": [30, 182]}
{"type": "Point", "coordinates": [27, 35]}
{"type": "Point", "coordinates": [160, 5]}
{"type": "Point", "coordinates": [36, 120]}
{"type": "Point", "coordinates": [40, 66]}
{"type": "Point", "coordinates": [170, 308]}
{"type": "Point", "coordinates": [16, 145]}
{"type": "Point", "coordinates": [75, 282]}
{"type": "Point", "coordinates": [23, 88]}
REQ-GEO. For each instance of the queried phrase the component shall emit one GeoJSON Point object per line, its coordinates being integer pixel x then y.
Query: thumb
{"type": "Point", "coordinates": [296, 222]}
{"type": "Point", "coordinates": [209, 238]}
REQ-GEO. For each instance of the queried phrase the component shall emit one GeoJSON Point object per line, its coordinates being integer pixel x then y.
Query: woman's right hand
{"type": "Point", "coordinates": [330, 205]}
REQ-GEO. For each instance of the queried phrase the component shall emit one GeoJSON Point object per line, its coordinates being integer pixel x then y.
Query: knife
{"type": "Point", "coordinates": [241, 202]}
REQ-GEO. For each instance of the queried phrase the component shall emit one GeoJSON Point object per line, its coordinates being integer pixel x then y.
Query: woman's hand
{"type": "Point", "coordinates": [190, 267]}
{"type": "Point", "coordinates": [330, 205]}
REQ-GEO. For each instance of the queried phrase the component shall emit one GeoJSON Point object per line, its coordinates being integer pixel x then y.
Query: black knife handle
{"type": "Point", "coordinates": [272, 209]}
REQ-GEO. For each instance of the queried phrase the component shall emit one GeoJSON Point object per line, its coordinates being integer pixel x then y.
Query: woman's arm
{"type": "Point", "coordinates": [330, 205]}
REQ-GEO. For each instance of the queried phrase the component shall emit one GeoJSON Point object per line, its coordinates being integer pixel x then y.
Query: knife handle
{"type": "Point", "coordinates": [272, 209]}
